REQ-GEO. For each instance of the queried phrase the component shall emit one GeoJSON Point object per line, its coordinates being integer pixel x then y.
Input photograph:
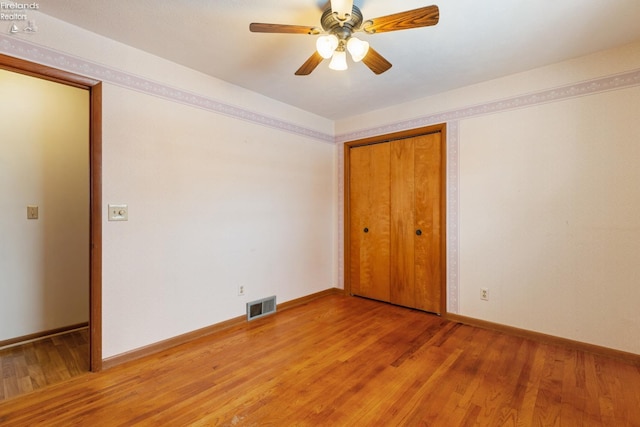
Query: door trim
{"type": "Point", "coordinates": [410, 133]}
{"type": "Point", "coordinates": [95, 191]}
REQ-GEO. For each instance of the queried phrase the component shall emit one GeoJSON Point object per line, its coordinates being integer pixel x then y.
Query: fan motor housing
{"type": "Point", "coordinates": [341, 29]}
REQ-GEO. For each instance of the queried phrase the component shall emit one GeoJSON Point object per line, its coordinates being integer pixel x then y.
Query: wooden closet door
{"type": "Point", "coordinates": [428, 248]}
{"type": "Point", "coordinates": [369, 221]}
{"type": "Point", "coordinates": [415, 268]}
{"type": "Point", "coordinates": [402, 166]}
{"type": "Point", "coordinates": [396, 195]}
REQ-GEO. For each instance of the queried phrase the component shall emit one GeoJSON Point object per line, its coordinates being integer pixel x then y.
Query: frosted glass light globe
{"type": "Point", "coordinates": [339, 60]}
{"type": "Point", "coordinates": [357, 48]}
{"type": "Point", "coordinates": [326, 45]}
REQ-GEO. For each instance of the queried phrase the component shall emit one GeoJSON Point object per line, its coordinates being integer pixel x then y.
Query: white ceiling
{"type": "Point", "coordinates": [475, 40]}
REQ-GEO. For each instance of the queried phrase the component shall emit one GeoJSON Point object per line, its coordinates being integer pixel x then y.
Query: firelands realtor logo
{"type": "Point", "coordinates": [18, 15]}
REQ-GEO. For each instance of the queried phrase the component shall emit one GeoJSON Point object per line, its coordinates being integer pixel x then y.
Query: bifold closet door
{"type": "Point", "coordinates": [415, 267]}
{"type": "Point", "coordinates": [395, 228]}
{"type": "Point", "coordinates": [369, 201]}
{"type": "Point", "coordinates": [403, 219]}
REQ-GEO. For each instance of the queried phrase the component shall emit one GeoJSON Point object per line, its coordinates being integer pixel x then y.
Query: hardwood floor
{"type": "Point", "coordinates": [42, 362]}
{"type": "Point", "coordinates": [345, 361]}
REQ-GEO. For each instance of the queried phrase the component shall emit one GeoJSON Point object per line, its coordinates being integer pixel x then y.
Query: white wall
{"type": "Point", "coordinates": [213, 203]}
{"type": "Point", "coordinates": [219, 199]}
{"type": "Point", "coordinates": [543, 196]}
{"type": "Point", "coordinates": [44, 161]}
{"type": "Point", "coordinates": [549, 218]}
{"type": "Point", "coordinates": [224, 187]}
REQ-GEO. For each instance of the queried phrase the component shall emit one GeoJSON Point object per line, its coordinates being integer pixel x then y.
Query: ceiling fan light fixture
{"type": "Point", "coordinates": [342, 8]}
{"type": "Point", "coordinates": [357, 48]}
{"type": "Point", "coordinates": [341, 19]}
{"type": "Point", "coordinates": [338, 61]}
{"type": "Point", "coordinates": [326, 45]}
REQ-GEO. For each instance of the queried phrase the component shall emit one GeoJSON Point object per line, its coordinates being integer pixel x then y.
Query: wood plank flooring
{"type": "Point", "coordinates": [346, 361]}
{"type": "Point", "coordinates": [39, 363]}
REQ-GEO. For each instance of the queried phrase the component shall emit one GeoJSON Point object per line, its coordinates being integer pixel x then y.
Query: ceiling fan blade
{"type": "Point", "coordinates": [310, 64]}
{"type": "Point", "coordinates": [257, 27]}
{"type": "Point", "coordinates": [376, 62]}
{"type": "Point", "coordinates": [422, 17]}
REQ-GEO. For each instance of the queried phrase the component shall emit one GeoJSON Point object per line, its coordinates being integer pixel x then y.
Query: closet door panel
{"type": "Point", "coordinates": [428, 199]}
{"type": "Point", "coordinates": [369, 226]}
{"type": "Point", "coordinates": [402, 222]}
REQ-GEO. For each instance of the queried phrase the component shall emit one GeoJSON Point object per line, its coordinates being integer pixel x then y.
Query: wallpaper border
{"type": "Point", "coordinates": [584, 88]}
{"type": "Point", "coordinates": [46, 56]}
{"type": "Point", "coordinates": [452, 119]}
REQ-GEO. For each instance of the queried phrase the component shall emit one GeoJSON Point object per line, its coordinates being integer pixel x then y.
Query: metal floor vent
{"type": "Point", "coordinates": [261, 307]}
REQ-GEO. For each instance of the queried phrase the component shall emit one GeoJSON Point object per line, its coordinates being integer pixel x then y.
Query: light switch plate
{"type": "Point", "coordinates": [32, 212]}
{"type": "Point", "coordinates": [118, 213]}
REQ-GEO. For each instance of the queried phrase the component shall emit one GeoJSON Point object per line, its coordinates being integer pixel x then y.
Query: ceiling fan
{"type": "Point", "coordinates": [339, 21]}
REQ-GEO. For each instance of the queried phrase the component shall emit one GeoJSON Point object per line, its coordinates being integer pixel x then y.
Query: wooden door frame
{"type": "Point", "coordinates": [95, 187]}
{"type": "Point", "coordinates": [378, 139]}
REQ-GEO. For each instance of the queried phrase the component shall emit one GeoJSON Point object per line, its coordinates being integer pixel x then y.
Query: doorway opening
{"type": "Point", "coordinates": [94, 88]}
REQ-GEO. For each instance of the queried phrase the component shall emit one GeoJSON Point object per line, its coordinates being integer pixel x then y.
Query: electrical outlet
{"type": "Point", "coordinates": [240, 290]}
{"type": "Point", "coordinates": [484, 294]}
